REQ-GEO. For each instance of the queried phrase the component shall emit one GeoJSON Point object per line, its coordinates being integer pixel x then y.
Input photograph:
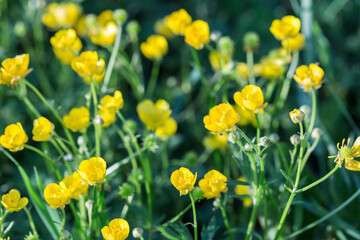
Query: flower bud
{"type": "Point", "coordinates": [226, 45]}
{"type": "Point", "coordinates": [305, 109]}
{"type": "Point", "coordinates": [233, 137]}
{"type": "Point", "coordinates": [90, 20]}
{"type": "Point", "coordinates": [133, 28]}
{"type": "Point", "coordinates": [20, 29]}
{"type": "Point", "coordinates": [264, 141]}
{"type": "Point", "coordinates": [126, 190]}
{"type": "Point", "coordinates": [150, 142]}
{"type": "Point", "coordinates": [120, 15]}
{"type": "Point", "coordinates": [297, 116]}
{"type": "Point", "coordinates": [198, 193]}
{"type": "Point", "coordinates": [251, 41]}
{"type": "Point", "coordinates": [137, 232]}
{"type": "Point", "coordinates": [215, 35]}
{"type": "Point", "coordinates": [274, 138]}
{"type": "Point", "coordinates": [316, 133]}
{"type": "Point", "coordinates": [216, 203]}
{"type": "Point", "coordinates": [295, 139]}
{"type": "Point", "coordinates": [247, 147]}
{"type": "Point", "coordinates": [81, 141]}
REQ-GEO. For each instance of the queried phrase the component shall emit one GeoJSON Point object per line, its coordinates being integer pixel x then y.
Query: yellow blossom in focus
{"type": "Point", "coordinates": [112, 102]}
{"type": "Point", "coordinates": [66, 45]}
{"type": "Point", "coordinates": [13, 202]}
{"type": "Point", "coordinates": [197, 34]}
{"type": "Point", "coordinates": [167, 129]}
{"type": "Point", "coordinates": [61, 15]}
{"type": "Point", "coordinates": [93, 170]}
{"type": "Point", "coordinates": [42, 130]}
{"type": "Point", "coordinates": [183, 180]}
{"type": "Point", "coordinates": [108, 116]}
{"type": "Point", "coordinates": [153, 115]}
{"type": "Point", "coordinates": [56, 196]}
{"type": "Point", "coordinates": [161, 28]}
{"type": "Point", "coordinates": [14, 137]}
{"type": "Point", "coordinates": [75, 184]}
{"type": "Point", "coordinates": [296, 116]}
{"type": "Point", "coordinates": [155, 47]}
{"type": "Point", "coordinates": [243, 190]}
{"type": "Point", "coordinates": [216, 141]}
{"type": "Point", "coordinates": [221, 118]}
{"type": "Point", "coordinates": [13, 69]}
{"type": "Point", "coordinates": [347, 154]}
{"type": "Point", "coordinates": [250, 98]}
{"type": "Point", "coordinates": [77, 120]}
{"type": "Point", "coordinates": [178, 21]}
{"type": "Point", "coordinates": [287, 27]}
{"type": "Point", "coordinates": [296, 43]}
{"type": "Point", "coordinates": [213, 184]}
{"type": "Point", "coordinates": [118, 229]}
{"type": "Point", "coordinates": [89, 65]}
{"type": "Point", "coordinates": [242, 69]}
{"type": "Point", "coordinates": [246, 116]}
{"type": "Point", "coordinates": [309, 77]}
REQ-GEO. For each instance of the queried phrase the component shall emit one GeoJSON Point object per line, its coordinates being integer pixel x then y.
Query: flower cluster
{"type": "Point", "coordinates": [66, 45]}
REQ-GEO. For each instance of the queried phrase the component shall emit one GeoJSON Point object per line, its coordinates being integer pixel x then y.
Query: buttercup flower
{"type": "Point", "coordinates": [296, 116]}
{"type": "Point", "coordinates": [155, 47]}
{"type": "Point", "coordinates": [221, 61]}
{"type": "Point", "coordinates": [215, 141]}
{"type": "Point", "coordinates": [13, 69]}
{"type": "Point", "coordinates": [167, 129]}
{"type": "Point", "coordinates": [242, 69]}
{"type": "Point", "coordinates": [112, 102]}
{"type": "Point", "coordinates": [347, 155]}
{"type": "Point", "coordinates": [61, 15]}
{"type": "Point", "coordinates": [250, 98]}
{"type": "Point", "coordinates": [295, 43]}
{"type": "Point", "coordinates": [221, 118]}
{"type": "Point", "coordinates": [243, 190]}
{"type": "Point", "coordinates": [178, 21]}
{"type": "Point", "coordinates": [118, 229]}
{"type": "Point", "coordinates": [42, 130]}
{"type": "Point", "coordinates": [77, 120]}
{"type": "Point", "coordinates": [75, 184]}
{"type": "Point", "coordinates": [104, 31]}
{"type": "Point", "coordinates": [153, 115]}
{"type": "Point", "coordinates": [287, 27]}
{"type": "Point", "coordinates": [197, 34]}
{"type": "Point", "coordinates": [93, 170]}
{"type": "Point", "coordinates": [66, 45]}
{"type": "Point", "coordinates": [88, 64]}
{"type": "Point", "coordinates": [13, 202]}
{"type": "Point", "coordinates": [183, 180]}
{"type": "Point", "coordinates": [246, 116]}
{"type": "Point", "coordinates": [161, 28]}
{"type": "Point", "coordinates": [56, 196]}
{"type": "Point", "coordinates": [270, 69]}
{"type": "Point", "coordinates": [309, 77]}
{"type": "Point", "coordinates": [14, 137]}
{"type": "Point", "coordinates": [108, 116]}
{"type": "Point", "coordinates": [213, 184]}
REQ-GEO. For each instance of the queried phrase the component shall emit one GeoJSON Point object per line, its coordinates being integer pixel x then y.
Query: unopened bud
{"type": "Point", "coordinates": [264, 141]}
{"type": "Point", "coordinates": [233, 137]}
{"type": "Point", "coordinates": [316, 133]}
{"type": "Point", "coordinates": [198, 193]}
{"type": "Point", "coordinates": [296, 116]}
{"type": "Point", "coordinates": [251, 41]}
{"type": "Point", "coordinates": [20, 29]}
{"type": "Point", "coordinates": [98, 120]}
{"type": "Point", "coordinates": [247, 147]}
{"type": "Point", "coordinates": [120, 15]}
{"type": "Point", "coordinates": [90, 20]}
{"type": "Point", "coordinates": [274, 138]}
{"type": "Point", "coordinates": [81, 140]}
{"type": "Point", "coordinates": [137, 232]}
{"type": "Point", "coordinates": [226, 45]}
{"type": "Point", "coordinates": [215, 35]}
{"type": "Point", "coordinates": [133, 28]}
{"type": "Point", "coordinates": [216, 203]}
{"type": "Point", "coordinates": [305, 109]}
{"type": "Point", "coordinates": [295, 139]}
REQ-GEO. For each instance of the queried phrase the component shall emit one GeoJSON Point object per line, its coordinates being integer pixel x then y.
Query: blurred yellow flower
{"type": "Point", "coordinates": [153, 115]}
{"type": "Point", "coordinates": [93, 170]}
{"type": "Point", "coordinates": [75, 184]}
{"type": "Point", "coordinates": [81, 27]}
{"type": "Point", "coordinates": [13, 202]}
{"type": "Point", "coordinates": [309, 77]}
{"type": "Point", "coordinates": [216, 141]}
{"type": "Point", "coordinates": [296, 43]}
{"type": "Point", "coordinates": [246, 116]}
{"type": "Point", "coordinates": [197, 34]}
{"type": "Point", "coordinates": [213, 184]}
{"type": "Point", "coordinates": [112, 102]}
{"type": "Point", "coordinates": [220, 61]}
{"type": "Point", "coordinates": [243, 190]}
{"type": "Point", "coordinates": [250, 98]}
{"type": "Point", "coordinates": [183, 180]}
{"type": "Point", "coordinates": [14, 137]}
{"type": "Point", "coordinates": [118, 229]}
{"type": "Point", "coordinates": [42, 130]}
{"type": "Point", "coordinates": [89, 65]}
{"type": "Point", "coordinates": [242, 69]}
{"type": "Point", "coordinates": [56, 196]}
{"type": "Point", "coordinates": [108, 116]}
{"type": "Point", "coordinates": [103, 34]}
{"type": "Point", "coordinates": [161, 28]}
{"type": "Point", "coordinates": [347, 154]}
{"type": "Point", "coordinates": [296, 116]}
{"type": "Point", "coordinates": [66, 45]}
{"type": "Point", "coordinates": [61, 15]}
{"type": "Point", "coordinates": [221, 118]}
{"type": "Point", "coordinates": [167, 129]}
{"type": "Point", "coordinates": [13, 69]}
{"type": "Point", "coordinates": [178, 21]}
{"type": "Point", "coordinates": [287, 27]}
{"type": "Point", "coordinates": [270, 69]}
{"type": "Point", "coordinates": [77, 120]}
{"type": "Point", "coordinates": [155, 47]}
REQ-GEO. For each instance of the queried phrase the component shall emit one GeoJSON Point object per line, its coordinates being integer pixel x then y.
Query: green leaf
{"type": "Point", "coordinates": [175, 231]}
{"type": "Point", "coordinates": [241, 196]}
{"type": "Point", "coordinates": [287, 177]}
{"type": "Point", "coordinates": [208, 232]}
{"type": "Point", "coordinates": [237, 182]}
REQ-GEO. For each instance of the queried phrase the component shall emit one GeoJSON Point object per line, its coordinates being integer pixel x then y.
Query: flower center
{"type": "Point", "coordinates": [345, 152]}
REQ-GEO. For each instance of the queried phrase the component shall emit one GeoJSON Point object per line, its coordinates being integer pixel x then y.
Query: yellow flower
{"type": "Point", "coordinates": [213, 184]}
{"type": "Point", "coordinates": [246, 116]}
{"type": "Point", "coordinates": [178, 21]}
{"type": "Point", "coordinates": [42, 130]}
{"type": "Point", "coordinates": [56, 196]}
{"type": "Point", "coordinates": [155, 47]}
{"type": "Point", "coordinates": [93, 170]}
{"type": "Point", "coordinates": [13, 69]}
{"type": "Point", "coordinates": [221, 118]}
{"type": "Point", "coordinates": [287, 27]}
{"type": "Point", "coordinates": [118, 229]}
{"type": "Point", "coordinates": [66, 45]}
{"type": "Point", "coordinates": [347, 155]}
{"type": "Point", "coordinates": [216, 141]}
{"type": "Point", "coordinates": [220, 61]}
{"type": "Point", "coordinates": [296, 116]}
{"type": "Point", "coordinates": [88, 64]}
{"type": "Point", "coordinates": [242, 69]}
{"type": "Point", "coordinates": [61, 15]}
{"type": "Point", "coordinates": [183, 180]}
{"type": "Point", "coordinates": [167, 129]}
{"type": "Point", "coordinates": [279, 56]}
{"type": "Point", "coordinates": [77, 120]}
{"type": "Point", "coordinates": [112, 102]}
{"type": "Point", "coordinates": [103, 34]}
{"type": "Point", "coordinates": [250, 98]}
{"type": "Point", "coordinates": [309, 77]}
{"type": "Point", "coordinates": [197, 34]}
{"type": "Point", "coordinates": [81, 27]}
{"type": "Point", "coordinates": [243, 190]}
{"type": "Point", "coordinates": [153, 115]}
{"type": "Point", "coordinates": [295, 43]}
{"type": "Point", "coordinates": [107, 115]}
{"type": "Point", "coordinates": [161, 28]}
{"type": "Point", "coordinates": [270, 70]}
{"type": "Point", "coordinates": [75, 184]}
{"type": "Point", "coordinates": [14, 137]}
{"type": "Point", "coordinates": [13, 202]}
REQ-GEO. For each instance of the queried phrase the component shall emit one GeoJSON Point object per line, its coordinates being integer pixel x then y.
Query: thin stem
{"type": "Point", "coordinates": [62, 227]}
{"type": "Point", "coordinates": [1, 222]}
{"type": "Point", "coordinates": [198, 66]}
{"type": "Point", "coordinates": [31, 221]}
{"type": "Point", "coordinates": [194, 215]}
{"type": "Point", "coordinates": [313, 115]}
{"type": "Point", "coordinates": [225, 217]}
{"type": "Point", "coordinates": [93, 211]}
{"type": "Point", "coordinates": [96, 125]}
{"type": "Point", "coordinates": [177, 217]}
{"type": "Point", "coordinates": [153, 78]}
{"type": "Point", "coordinates": [308, 152]}
{"type": "Point", "coordinates": [164, 158]}
{"type": "Point", "coordinates": [250, 63]}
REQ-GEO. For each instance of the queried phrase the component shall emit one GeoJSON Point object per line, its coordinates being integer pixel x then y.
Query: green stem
{"type": "Point", "coordinates": [198, 66]}
{"type": "Point", "coordinates": [194, 215]}
{"type": "Point", "coordinates": [56, 145]}
{"type": "Point", "coordinates": [225, 217]}
{"type": "Point", "coordinates": [250, 63]}
{"type": "Point", "coordinates": [93, 211]}
{"type": "Point", "coordinates": [165, 159]}
{"type": "Point", "coordinates": [1, 222]}
{"type": "Point", "coordinates": [177, 217]}
{"type": "Point", "coordinates": [62, 227]}
{"type": "Point", "coordinates": [31, 221]}
{"type": "Point", "coordinates": [308, 152]}
{"type": "Point", "coordinates": [96, 125]}
{"type": "Point", "coordinates": [313, 115]}
{"type": "Point", "coordinates": [153, 78]}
